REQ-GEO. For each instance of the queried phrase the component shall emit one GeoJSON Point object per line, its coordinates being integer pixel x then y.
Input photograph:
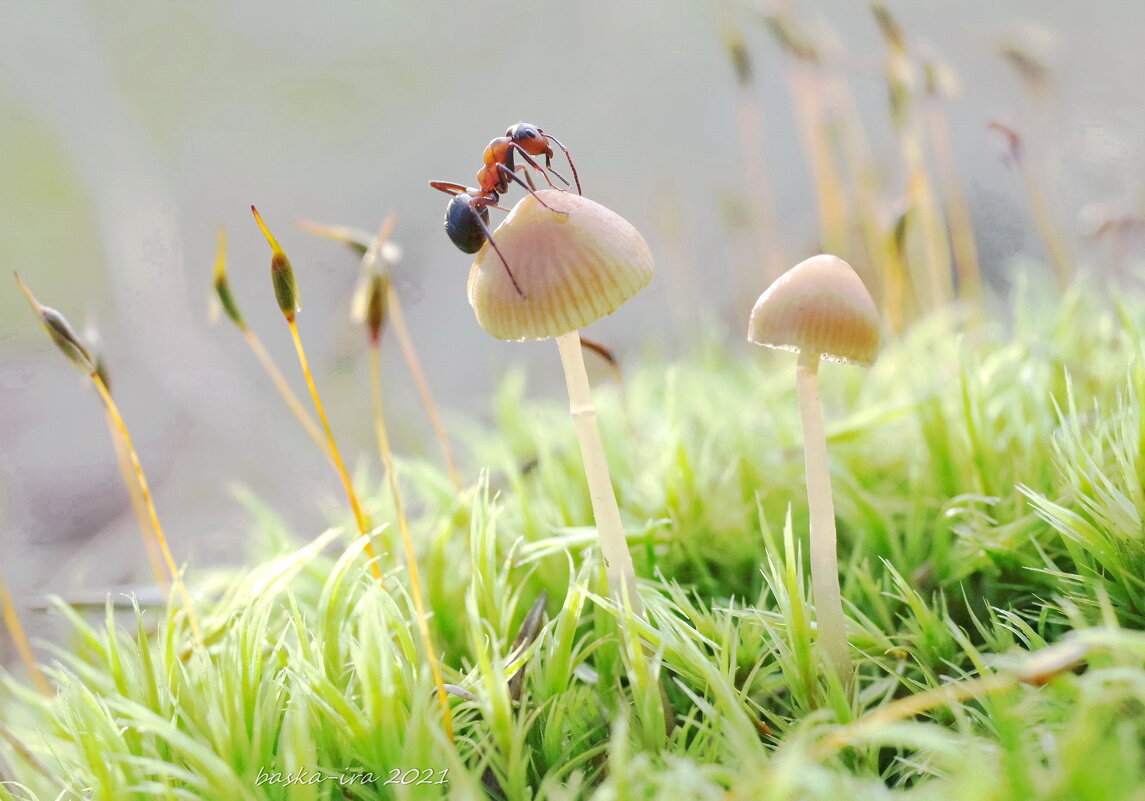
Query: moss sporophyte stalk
{"type": "Point", "coordinates": [68, 342]}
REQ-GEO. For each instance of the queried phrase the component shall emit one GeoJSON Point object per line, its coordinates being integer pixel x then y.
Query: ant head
{"type": "Point", "coordinates": [523, 132]}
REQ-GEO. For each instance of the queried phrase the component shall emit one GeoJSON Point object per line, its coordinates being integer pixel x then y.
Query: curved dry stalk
{"type": "Point", "coordinates": [964, 248]}
{"type": "Point", "coordinates": [279, 380]}
{"type": "Point", "coordinates": [407, 540]}
{"type": "Point", "coordinates": [149, 504]}
{"type": "Point", "coordinates": [150, 544]}
{"type": "Point", "coordinates": [405, 341]}
{"type": "Point", "coordinates": [20, 640]}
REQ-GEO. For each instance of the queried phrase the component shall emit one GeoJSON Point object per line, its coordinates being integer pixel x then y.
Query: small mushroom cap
{"type": "Point", "coordinates": [574, 268]}
{"type": "Point", "coordinates": [818, 306]}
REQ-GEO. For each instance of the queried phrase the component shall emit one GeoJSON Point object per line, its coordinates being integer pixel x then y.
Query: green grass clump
{"type": "Point", "coordinates": [989, 500]}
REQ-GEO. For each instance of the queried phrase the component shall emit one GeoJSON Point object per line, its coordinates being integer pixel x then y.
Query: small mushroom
{"type": "Point", "coordinates": [573, 268]}
{"type": "Point", "coordinates": [820, 309]}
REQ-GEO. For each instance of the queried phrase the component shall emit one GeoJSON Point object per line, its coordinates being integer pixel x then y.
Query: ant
{"type": "Point", "coordinates": [529, 141]}
{"type": "Point", "coordinates": [467, 215]}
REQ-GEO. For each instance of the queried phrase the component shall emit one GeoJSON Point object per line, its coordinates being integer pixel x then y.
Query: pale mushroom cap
{"type": "Point", "coordinates": [573, 268]}
{"type": "Point", "coordinates": [818, 306]}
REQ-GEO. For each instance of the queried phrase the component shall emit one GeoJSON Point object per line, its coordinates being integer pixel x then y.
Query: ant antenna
{"type": "Point", "coordinates": [571, 165]}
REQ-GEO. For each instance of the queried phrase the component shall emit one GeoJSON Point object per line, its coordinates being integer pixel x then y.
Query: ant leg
{"type": "Point", "coordinates": [513, 175]}
{"type": "Point", "coordinates": [449, 187]}
{"type": "Point", "coordinates": [524, 170]}
{"type": "Point", "coordinates": [544, 171]}
{"type": "Point", "coordinates": [489, 238]}
{"type": "Point", "coordinates": [567, 156]}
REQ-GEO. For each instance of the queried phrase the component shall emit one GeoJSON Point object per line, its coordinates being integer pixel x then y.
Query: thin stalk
{"type": "Point", "coordinates": [806, 96]}
{"type": "Point", "coordinates": [407, 541]}
{"type": "Point", "coordinates": [335, 454]}
{"type": "Point", "coordinates": [912, 705]}
{"type": "Point", "coordinates": [753, 154]}
{"type": "Point", "coordinates": [935, 250]}
{"type": "Point", "coordinates": [150, 541]}
{"type": "Point", "coordinates": [885, 265]}
{"type": "Point", "coordinates": [832, 636]}
{"type": "Point", "coordinates": [280, 384]}
{"type": "Point", "coordinates": [20, 640]}
{"type": "Point", "coordinates": [957, 209]}
{"type": "Point", "coordinates": [149, 503]}
{"type": "Point", "coordinates": [1044, 220]}
{"type": "Point", "coordinates": [419, 380]}
{"type": "Point", "coordinates": [619, 570]}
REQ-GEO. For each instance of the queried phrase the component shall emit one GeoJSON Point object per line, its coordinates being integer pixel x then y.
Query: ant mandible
{"type": "Point", "coordinates": [467, 215]}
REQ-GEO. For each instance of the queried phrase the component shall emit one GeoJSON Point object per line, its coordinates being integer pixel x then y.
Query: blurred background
{"type": "Point", "coordinates": [130, 131]}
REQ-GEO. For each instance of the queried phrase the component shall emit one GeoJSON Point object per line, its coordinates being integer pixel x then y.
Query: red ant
{"type": "Point", "coordinates": [529, 141]}
{"type": "Point", "coordinates": [467, 215]}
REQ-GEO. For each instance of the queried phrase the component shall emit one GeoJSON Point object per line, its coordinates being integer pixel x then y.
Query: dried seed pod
{"type": "Point", "coordinates": [60, 331]}
{"type": "Point", "coordinates": [818, 306]}
{"type": "Point", "coordinates": [574, 268]}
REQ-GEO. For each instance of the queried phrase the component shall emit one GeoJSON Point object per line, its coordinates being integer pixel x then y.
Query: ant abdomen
{"type": "Point", "coordinates": [461, 223]}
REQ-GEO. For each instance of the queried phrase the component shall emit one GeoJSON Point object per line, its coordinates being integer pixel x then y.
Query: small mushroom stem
{"type": "Point", "coordinates": [618, 566]}
{"type": "Point", "coordinates": [824, 561]}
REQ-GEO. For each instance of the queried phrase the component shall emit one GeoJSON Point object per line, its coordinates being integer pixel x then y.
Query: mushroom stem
{"type": "Point", "coordinates": [618, 566]}
{"type": "Point", "coordinates": [824, 562]}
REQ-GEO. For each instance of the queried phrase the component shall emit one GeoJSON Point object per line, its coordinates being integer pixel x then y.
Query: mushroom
{"type": "Point", "coordinates": [574, 268]}
{"type": "Point", "coordinates": [820, 309]}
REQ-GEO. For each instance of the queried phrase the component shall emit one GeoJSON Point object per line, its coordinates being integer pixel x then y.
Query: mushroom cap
{"type": "Point", "coordinates": [574, 268]}
{"type": "Point", "coordinates": [818, 306]}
